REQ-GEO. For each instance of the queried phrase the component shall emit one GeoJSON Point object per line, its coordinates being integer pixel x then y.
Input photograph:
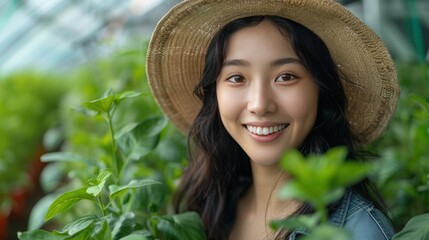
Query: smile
{"type": "Point", "coordinates": [262, 131]}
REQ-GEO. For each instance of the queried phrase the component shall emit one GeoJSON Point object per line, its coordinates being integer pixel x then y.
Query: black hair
{"type": "Point", "coordinates": [210, 185]}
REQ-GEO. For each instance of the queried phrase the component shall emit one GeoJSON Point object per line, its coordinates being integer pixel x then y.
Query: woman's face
{"type": "Point", "coordinates": [267, 99]}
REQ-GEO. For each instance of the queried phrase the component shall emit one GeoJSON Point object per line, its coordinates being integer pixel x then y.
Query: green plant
{"type": "Point", "coordinates": [117, 213]}
{"type": "Point", "coordinates": [29, 103]}
{"type": "Point", "coordinates": [416, 228]}
{"type": "Point", "coordinates": [403, 166]}
{"type": "Point", "coordinates": [318, 180]}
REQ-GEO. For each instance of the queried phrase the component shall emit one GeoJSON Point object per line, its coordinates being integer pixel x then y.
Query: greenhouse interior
{"type": "Point", "coordinates": [86, 153]}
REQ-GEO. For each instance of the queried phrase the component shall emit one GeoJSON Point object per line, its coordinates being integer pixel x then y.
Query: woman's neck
{"type": "Point", "coordinates": [261, 203]}
{"type": "Point", "coordinates": [263, 195]}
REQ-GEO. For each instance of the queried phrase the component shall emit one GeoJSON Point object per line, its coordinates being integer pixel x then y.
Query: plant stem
{"type": "Point", "coordinates": [115, 160]}
{"type": "Point", "coordinates": [117, 177]}
{"type": "Point", "coordinates": [124, 168]}
{"type": "Point", "coordinates": [322, 213]}
{"type": "Point", "coordinates": [100, 204]}
{"type": "Point", "coordinates": [132, 198]}
{"type": "Point", "coordinates": [153, 221]}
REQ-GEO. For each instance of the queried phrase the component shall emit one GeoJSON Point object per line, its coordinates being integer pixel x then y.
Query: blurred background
{"type": "Point", "coordinates": [57, 54]}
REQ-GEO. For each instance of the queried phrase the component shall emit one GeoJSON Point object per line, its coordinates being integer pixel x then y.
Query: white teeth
{"type": "Point", "coordinates": [265, 130]}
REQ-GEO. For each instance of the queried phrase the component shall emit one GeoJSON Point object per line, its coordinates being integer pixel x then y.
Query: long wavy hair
{"type": "Point", "coordinates": [219, 170]}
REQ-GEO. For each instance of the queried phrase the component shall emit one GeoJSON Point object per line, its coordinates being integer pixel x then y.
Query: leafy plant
{"type": "Point", "coordinates": [403, 166]}
{"type": "Point", "coordinates": [29, 103]}
{"type": "Point", "coordinates": [416, 228]}
{"type": "Point", "coordinates": [113, 192]}
{"type": "Point", "coordinates": [318, 180]}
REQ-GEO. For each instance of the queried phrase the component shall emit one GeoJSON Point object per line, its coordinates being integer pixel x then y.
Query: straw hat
{"type": "Point", "coordinates": [176, 56]}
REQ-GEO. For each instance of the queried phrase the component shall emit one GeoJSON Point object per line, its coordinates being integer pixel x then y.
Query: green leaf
{"type": "Point", "coordinates": [109, 101]}
{"type": "Point", "coordinates": [116, 190]}
{"type": "Point", "coordinates": [336, 155]}
{"type": "Point", "coordinates": [103, 175]}
{"type": "Point", "coordinates": [63, 157]}
{"type": "Point", "coordinates": [416, 228]}
{"type": "Point", "coordinates": [350, 173]}
{"type": "Point", "coordinates": [123, 226]}
{"type": "Point", "coordinates": [328, 232]}
{"type": "Point", "coordinates": [53, 138]}
{"type": "Point", "coordinates": [295, 190]}
{"type": "Point", "coordinates": [101, 181]}
{"type": "Point", "coordinates": [150, 127]}
{"type": "Point", "coordinates": [40, 235]}
{"type": "Point", "coordinates": [127, 129]}
{"type": "Point", "coordinates": [142, 138]}
{"type": "Point", "coordinates": [182, 226]}
{"type": "Point", "coordinates": [134, 237]}
{"type": "Point", "coordinates": [101, 231]}
{"type": "Point", "coordinates": [82, 235]}
{"type": "Point", "coordinates": [85, 111]}
{"type": "Point", "coordinates": [320, 179]}
{"type": "Point", "coordinates": [39, 210]}
{"type": "Point", "coordinates": [296, 222]}
{"type": "Point", "coordinates": [108, 92]}
{"type": "Point", "coordinates": [152, 197]}
{"type": "Point", "coordinates": [293, 162]}
{"type": "Point", "coordinates": [66, 200]}
{"type": "Point", "coordinates": [101, 105]}
{"type": "Point", "coordinates": [52, 177]}
{"type": "Point", "coordinates": [332, 195]}
{"type": "Point", "coordinates": [128, 94]}
{"type": "Point", "coordinates": [79, 225]}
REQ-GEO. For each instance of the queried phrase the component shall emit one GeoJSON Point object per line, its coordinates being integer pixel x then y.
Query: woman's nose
{"type": "Point", "coordinates": [261, 100]}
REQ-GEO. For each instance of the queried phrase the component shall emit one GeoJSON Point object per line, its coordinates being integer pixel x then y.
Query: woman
{"type": "Point", "coordinates": [271, 76]}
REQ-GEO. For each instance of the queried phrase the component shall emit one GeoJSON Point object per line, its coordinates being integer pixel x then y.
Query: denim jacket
{"type": "Point", "coordinates": [358, 216]}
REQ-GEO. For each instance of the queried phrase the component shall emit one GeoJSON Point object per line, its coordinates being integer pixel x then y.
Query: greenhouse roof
{"type": "Point", "coordinates": [60, 34]}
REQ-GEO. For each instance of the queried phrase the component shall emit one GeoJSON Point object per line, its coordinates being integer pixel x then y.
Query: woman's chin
{"type": "Point", "coordinates": [265, 161]}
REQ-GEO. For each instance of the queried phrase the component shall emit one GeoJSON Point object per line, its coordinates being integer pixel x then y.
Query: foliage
{"type": "Point", "coordinates": [318, 180]}
{"type": "Point", "coordinates": [117, 213]}
{"type": "Point", "coordinates": [416, 228]}
{"type": "Point", "coordinates": [403, 168]}
{"type": "Point", "coordinates": [28, 107]}
{"type": "Point", "coordinates": [148, 150]}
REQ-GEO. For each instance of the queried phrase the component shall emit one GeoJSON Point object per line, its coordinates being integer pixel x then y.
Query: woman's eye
{"type": "Point", "coordinates": [285, 77]}
{"type": "Point", "coordinates": [236, 79]}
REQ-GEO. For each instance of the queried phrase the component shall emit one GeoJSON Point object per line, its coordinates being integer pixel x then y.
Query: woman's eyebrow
{"type": "Point", "coordinates": [275, 63]}
{"type": "Point", "coordinates": [283, 61]}
{"type": "Point", "coordinates": [236, 62]}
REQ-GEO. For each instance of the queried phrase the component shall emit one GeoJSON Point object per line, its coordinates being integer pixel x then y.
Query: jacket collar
{"type": "Point", "coordinates": [337, 219]}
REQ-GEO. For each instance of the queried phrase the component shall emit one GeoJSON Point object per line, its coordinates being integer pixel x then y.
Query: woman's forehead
{"type": "Point", "coordinates": [263, 40]}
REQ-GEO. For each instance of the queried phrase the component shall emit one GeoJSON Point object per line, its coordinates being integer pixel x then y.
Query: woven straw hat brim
{"type": "Point", "coordinates": [176, 56]}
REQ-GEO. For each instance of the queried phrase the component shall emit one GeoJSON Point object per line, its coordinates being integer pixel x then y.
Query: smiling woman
{"type": "Point", "coordinates": [270, 76]}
